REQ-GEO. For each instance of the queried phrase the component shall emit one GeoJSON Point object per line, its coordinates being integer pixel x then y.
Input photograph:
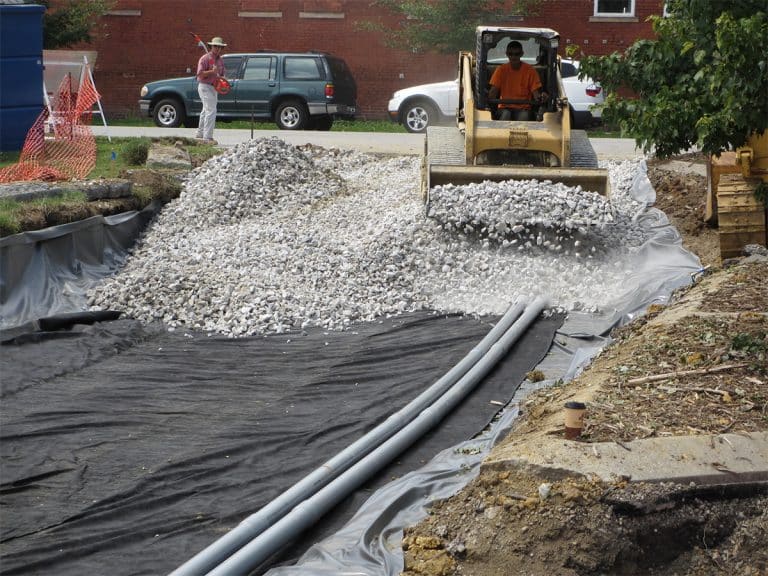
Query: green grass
{"type": "Point", "coordinates": [367, 126]}
{"type": "Point", "coordinates": [110, 157]}
{"type": "Point", "coordinates": [115, 156]}
{"type": "Point", "coordinates": [8, 223]}
{"type": "Point", "coordinates": [10, 210]}
{"type": "Point", "coordinates": [604, 132]}
{"type": "Point", "coordinates": [338, 126]}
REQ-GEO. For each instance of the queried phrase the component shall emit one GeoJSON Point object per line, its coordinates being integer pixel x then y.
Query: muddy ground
{"type": "Point", "coordinates": [711, 342]}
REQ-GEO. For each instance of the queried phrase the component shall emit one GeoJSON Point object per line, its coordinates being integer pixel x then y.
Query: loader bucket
{"type": "Point", "coordinates": [590, 179]}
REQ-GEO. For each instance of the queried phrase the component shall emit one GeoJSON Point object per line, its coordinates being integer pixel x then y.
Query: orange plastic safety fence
{"type": "Point", "coordinates": [69, 150]}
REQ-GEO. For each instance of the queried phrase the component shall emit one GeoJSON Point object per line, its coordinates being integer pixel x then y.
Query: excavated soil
{"type": "Point", "coordinates": [39, 217]}
{"type": "Point", "coordinates": [697, 366]}
{"type": "Point", "coordinates": [148, 186]}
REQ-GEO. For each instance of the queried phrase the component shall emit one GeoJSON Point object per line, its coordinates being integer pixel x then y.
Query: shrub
{"type": "Point", "coordinates": [136, 151]}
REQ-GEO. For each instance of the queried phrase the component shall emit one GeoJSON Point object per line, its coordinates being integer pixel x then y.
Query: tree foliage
{"type": "Point", "coordinates": [445, 26]}
{"type": "Point", "coordinates": [703, 81]}
{"type": "Point", "coordinates": [71, 23]}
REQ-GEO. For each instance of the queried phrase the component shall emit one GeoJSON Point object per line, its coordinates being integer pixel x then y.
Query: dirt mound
{"type": "Point", "coordinates": [501, 525]}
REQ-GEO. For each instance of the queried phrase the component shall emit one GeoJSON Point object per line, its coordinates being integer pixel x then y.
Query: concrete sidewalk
{"type": "Point", "coordinates": [705, 459]}
{"type": "Point", "coordinates": [373, 142]}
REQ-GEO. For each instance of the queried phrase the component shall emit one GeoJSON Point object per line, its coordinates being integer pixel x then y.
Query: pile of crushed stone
{"type": "Point", "coordinates": [272, 238]}
{"type": "Point", "coordinates": [504, 210]}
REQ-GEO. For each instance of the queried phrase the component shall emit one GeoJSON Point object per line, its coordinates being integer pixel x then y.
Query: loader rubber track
{"type": "Point", "coordinates": [444, 145]}
{"type": "Point", "coordinates": [582, 153]}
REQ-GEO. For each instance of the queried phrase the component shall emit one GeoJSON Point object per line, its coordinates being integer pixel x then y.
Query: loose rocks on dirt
{"type": "Point", "coordinates": [270, 238]}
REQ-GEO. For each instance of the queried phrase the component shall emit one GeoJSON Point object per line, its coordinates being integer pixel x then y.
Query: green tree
{"type": "Point", "coordinates": [446, 26]}
{"type": "Point", "coordinates": [72, 22]}
{"type": "Point", "coordinates": [702, 81]}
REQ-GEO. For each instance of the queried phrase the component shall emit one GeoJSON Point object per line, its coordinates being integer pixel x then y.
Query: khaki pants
{"type": "Point", "coordinates": [210, 98]}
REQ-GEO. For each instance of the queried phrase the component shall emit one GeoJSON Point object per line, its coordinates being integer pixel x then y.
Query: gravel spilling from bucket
{"type": "Point", "coordinates": [270, 238]}
{"type": "Point", "coordinates": [502, 209]}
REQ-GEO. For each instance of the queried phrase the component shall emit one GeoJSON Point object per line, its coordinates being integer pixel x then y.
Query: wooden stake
{"type": "Point", "coordinates": [699, 372]}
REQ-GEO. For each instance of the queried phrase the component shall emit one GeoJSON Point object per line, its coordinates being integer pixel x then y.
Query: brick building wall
{"type": "Point", "coordinates": [594, 35]}
{"type": "Point", "coordinates": [145, 40]}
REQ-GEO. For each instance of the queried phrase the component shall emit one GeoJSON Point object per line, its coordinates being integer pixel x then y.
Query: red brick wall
{"type": "Point", "coordinates": [574, 20]}
{"type": "Point", "coordinates": [135, 49]}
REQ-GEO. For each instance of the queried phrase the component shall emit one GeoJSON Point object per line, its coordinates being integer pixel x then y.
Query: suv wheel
{"type": "Point", "coordinates": [418, 115]}
{"type": "Point", "coordinates": [168, 113]}
{"type": "Point", "coordinates": [292, 115]}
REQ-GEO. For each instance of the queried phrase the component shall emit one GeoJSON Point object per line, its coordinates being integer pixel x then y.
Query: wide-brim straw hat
{"type": "Point", "coordinates": [217, 41]}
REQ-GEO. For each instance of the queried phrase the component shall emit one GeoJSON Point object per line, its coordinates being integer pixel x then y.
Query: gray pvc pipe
{"type": "Point", "coordinates": [261, 548]}
{"type": "Point", "coordinates": [256, 523]}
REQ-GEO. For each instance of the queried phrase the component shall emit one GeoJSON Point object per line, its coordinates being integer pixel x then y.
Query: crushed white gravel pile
{"type": "Point", "coordinates": [528, 213]}
{"type": "Point", "coordinates": [270, 238]}
{"type": "Point", "coordinates": [503, 209]}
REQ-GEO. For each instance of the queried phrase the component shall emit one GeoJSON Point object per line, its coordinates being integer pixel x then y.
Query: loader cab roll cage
{"type": "Point", "coordinates": [539, 49]}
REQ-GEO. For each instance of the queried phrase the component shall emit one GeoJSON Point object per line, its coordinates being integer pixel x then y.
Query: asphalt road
{"type": "Point", "coordinates": [376, 142]}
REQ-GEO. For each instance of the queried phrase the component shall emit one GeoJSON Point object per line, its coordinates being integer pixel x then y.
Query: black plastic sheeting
{"type": "Point", "coordinates": [127, 449]}
{"type": "Point", "coordinates": [46, 272]}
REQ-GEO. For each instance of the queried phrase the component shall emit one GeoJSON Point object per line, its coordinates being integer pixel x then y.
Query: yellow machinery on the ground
{"type": "Point", "coordinates": [481, 147]}
{"type": "Point", "coordinates": [733, 200]}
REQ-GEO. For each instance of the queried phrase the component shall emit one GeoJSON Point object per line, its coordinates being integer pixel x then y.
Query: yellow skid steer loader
{"type": "Point", "coordinates": [482, 147]}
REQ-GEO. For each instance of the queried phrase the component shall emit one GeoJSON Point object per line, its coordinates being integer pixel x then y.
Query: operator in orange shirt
{"type": "Point", "coordinates": [516, 81]}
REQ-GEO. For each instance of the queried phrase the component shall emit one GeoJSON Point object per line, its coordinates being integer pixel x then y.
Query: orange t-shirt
{"type": "Point", "coordinates": [516, 84]}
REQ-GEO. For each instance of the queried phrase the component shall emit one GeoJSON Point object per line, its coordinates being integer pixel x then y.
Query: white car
{"type": "Point", "coordinates": [433, 104]}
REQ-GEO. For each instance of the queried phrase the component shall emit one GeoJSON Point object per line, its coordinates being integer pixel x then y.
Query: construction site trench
{"type": "Point", "coordinates": [186, 447]}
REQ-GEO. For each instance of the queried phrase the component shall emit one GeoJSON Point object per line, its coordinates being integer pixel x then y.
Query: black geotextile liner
{"type": "Point", "coordinates": [127, 449]}
{"type": "Point", "coordinates": [47, 271]}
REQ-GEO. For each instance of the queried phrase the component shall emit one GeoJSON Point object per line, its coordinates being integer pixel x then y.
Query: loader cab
{"type": "Point", "coordinates": [539, 50]}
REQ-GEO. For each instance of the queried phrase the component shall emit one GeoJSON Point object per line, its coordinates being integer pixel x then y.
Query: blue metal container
{"type": "Point", "coordinates": [21, 71]}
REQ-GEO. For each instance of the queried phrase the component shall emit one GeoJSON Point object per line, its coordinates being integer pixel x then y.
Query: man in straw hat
{"type": "Point", "coordinates": [210, 68]}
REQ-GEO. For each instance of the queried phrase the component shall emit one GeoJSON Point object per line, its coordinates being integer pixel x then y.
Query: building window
{"type": "Point", "coordinates": [123, 13]}
{"type": "Point", "coordinates": [614, 7]}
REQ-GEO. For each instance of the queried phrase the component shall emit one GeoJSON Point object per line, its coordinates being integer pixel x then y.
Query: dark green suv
{"type": "Point", "coordinates": [299, 91]}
